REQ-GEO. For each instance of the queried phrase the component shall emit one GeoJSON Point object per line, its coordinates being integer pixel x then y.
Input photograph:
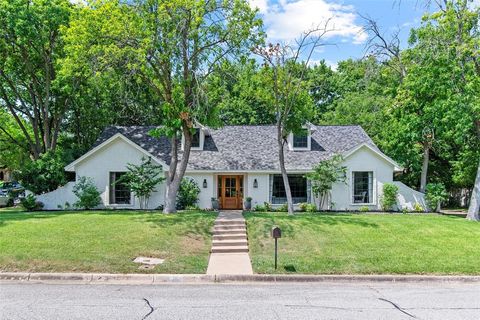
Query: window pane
{"type": "Point", "coordinates": [196, 139]}
{"type": "Point", "coordinates": [362, 187]}
{"type": "Point", "coordinates": [300, 140]}
{"type": "Point", "coordinates": [119, 190]}
{"type": "Point", "coordinates": [298, 188]}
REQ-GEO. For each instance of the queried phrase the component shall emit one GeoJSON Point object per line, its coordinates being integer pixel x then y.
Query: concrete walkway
{"type": "Point", "coordinates": [229, 254]}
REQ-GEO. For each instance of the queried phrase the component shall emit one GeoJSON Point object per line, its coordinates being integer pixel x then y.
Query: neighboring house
{"type": "Point", "coordinates": [5, 174]}
{"type": "Point", "coordinates": [235, 162]}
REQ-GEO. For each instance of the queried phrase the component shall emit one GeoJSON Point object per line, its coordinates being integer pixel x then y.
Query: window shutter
{"type": "Point", "coordinates": [309, 191]}
{"type": "Point", "coordinates": [270, 188]}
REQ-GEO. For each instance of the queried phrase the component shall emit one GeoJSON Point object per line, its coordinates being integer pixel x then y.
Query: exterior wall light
{"type": "Point", "coordinates": [255, 183]}
{"type": "Point", "coordinates": [205, 183]}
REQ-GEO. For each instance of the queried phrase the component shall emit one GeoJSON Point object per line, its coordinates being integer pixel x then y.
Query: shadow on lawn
{"type": "Point", "coordinates": [6, 217]}
{"type": "Point", "coordinates": [192, 225]}
{"type": "Point", "coordinates": [303, 221]}
{"type": "Point", "coordinates": [187, 222]}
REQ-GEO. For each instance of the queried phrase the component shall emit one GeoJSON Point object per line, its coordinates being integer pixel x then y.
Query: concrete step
{"type": "Point", "coordinates": [229, 249]}
{"type": "Point", "coordinates": [229, 243]}
{"type": "Point", "coordinates": [230, 222]}
{"type": "Point", "coordinates": [230, 236]}
{"type": "Point", "coordinates": [226, 232]}
{"type": "Point", "coordinates": [235, 227]}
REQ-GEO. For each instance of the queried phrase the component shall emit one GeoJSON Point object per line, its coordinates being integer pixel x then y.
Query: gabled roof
{"type": "Point", "coordinates": [375, 150]}
{"type": "Point", "coordinates": [104, 143]}
{"type": "Point", "coordinates": [245, 148]}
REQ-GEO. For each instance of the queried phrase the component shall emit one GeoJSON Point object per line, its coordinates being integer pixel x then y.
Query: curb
{"type": "Point", "coordinates": [105, 278]}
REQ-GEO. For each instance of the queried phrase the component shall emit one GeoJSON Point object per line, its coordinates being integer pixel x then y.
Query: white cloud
{"type": "Point", "coordinates": [261, 5]}
{"type": "Point", "coordinates": [285, 20]}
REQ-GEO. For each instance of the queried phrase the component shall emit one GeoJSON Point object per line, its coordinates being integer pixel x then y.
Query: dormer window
{"type": "Point", "coordinates": [299, 140]}
{"type": "Point", "coordinates": [196, 138]}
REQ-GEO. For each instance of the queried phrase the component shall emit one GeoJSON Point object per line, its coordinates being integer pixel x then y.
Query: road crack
{"type": "Point", "coordinates": [151, 309]}
{"type": "Point", "coordinates": [398, 308]}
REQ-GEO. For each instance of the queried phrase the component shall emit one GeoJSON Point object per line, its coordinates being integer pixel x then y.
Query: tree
{"type": "Point", "coordinates": [455, 27]}
{"type": "Point", "coordinates": [30, 49]}
{"type": "Point", "coordinates": [44, 174]}
{"type": "Point", "coordinates": [87, 193]}
{"type": "Point", "coordinates": [142, 180]}
{"type": "Point", "coordinates": [172, 46]}
{"type": "Point", "coordinates": [286, 73]}
{"type": "Point", "coordinates": [324, 175]}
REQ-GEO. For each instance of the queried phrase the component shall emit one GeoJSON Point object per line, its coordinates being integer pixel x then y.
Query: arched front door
{"type": "Point", "coordinates": [230, 190]}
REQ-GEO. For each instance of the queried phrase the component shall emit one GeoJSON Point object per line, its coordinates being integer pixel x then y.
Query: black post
{"type": "Point", "coordinates": [276, 253]}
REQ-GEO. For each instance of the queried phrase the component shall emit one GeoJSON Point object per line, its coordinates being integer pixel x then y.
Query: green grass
{"type": "Point", "coordinates": [104, 241]}
{"type": "Point", "coordinates": [365, 244]}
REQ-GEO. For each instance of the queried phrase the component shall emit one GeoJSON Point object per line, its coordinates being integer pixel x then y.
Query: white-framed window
{"type": "Point", "coordinates": [362, 187]}
{"type": "Point", "coordinates": [120, 193]}
{"type": "Point", "coordinates": [298, 189]}
{"type": "Point", "coordinates": [300, 141]}
{"type": "Point", "coordinates": [198, 139]}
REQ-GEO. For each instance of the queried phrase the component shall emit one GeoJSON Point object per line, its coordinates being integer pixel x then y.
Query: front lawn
{"type": "Point", "coordinates": [104, 241]}
{"type": "Point", "coordinates": [365, 244]}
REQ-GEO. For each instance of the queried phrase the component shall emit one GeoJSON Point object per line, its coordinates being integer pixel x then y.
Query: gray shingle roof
{"type": "Point", "coordinates": [248, 147]}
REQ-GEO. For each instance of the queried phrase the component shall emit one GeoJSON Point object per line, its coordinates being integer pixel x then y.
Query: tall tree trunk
{"type": "Point", "coordinates": [281, 158]}
{"type": "Point", "coordinates": [473, 210]}
{"type": "Point", "coordinates": [426, 159]}
{"type": "Point", "coordinates": [175, 174]}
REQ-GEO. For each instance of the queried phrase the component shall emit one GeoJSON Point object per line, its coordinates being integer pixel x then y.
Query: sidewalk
{"type": "Point", "coordinates": [229, 254]}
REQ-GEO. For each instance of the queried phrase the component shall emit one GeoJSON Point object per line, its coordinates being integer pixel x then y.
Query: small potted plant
{"type": "Point", "coordinates": [215, 204]}
{"type": "Point", "coordinates": [248, 203]}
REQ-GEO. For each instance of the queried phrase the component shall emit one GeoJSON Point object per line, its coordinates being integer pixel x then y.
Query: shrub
{"type": "Point", "coordinates": [30, 203]}
{"type": "Point", "coordinates": [259, 208]}
{"type": "Point", "coordinates": [143, 179]}
{"type": "Point", "coordinates": [187, 193]}
{"type": "Point", "coordinates": [283, 208]}
{"type": "Point", "coordinates": [389, 196]}
{"type": "Point", "coordinates": [311, 207]}
{"type": "Point", "coordinates": [364, 209]}
{"type": "Point", "coordinates": [435, 195]}
{"type": "Point", "coordinates": [417, 207]}
{"type": "Point", "coordinates": [43, 175]}
{"type": "Point", "coordinates": [268, 206]}
{"type": "Point", "coordinates": [87, 193]}
{"type": "Point", "coordinates": [302, 206]}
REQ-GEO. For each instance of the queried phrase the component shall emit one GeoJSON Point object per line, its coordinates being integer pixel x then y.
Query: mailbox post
{"type": "Point", "coordinates": [276, 233]}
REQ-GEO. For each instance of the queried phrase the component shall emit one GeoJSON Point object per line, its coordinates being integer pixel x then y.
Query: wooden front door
{"type": "Point", "coordinates": [230, 190]}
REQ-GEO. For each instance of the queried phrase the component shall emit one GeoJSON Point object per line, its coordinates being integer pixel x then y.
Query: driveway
{"type": "Point", "coordinates": [241, 301]}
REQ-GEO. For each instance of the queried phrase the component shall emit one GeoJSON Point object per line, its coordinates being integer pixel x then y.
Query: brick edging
{"type": "Point", "coordinates": [103, 278]}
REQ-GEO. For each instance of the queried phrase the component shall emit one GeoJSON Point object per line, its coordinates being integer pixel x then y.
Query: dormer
{"type": "Point", "coordinates": [300, 140]}
{"type": "Point", "coordinates": [198, 138]}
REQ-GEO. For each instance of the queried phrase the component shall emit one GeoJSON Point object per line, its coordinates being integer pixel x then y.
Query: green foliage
{"type": "Point", "coordinates": [259, 208]}
{"type": "Point", "coordinates": [389, 196]}
{"type": "Point", "coordinates": [303, 206]}
{"type": "Point", "coordinates": [311, 207]}
{"type": "Point", "coordinates": [364, 209]}
{"type": "Point", "coordinates": [417, 207]}
{"type": "Point", "coordinates": [267, 206]}
{"type": "Point", "coordinates": [283, 208]}
{"type": "Point", "coordinates": [43, 175]}
{"type": "Point", "coordinates": [324, 175]}
{"type": "Point", "coordinates": [142, 179]}
{"type": "Point", "coordinates": [31, 47]}
{"type": "Point", "coordinates": [30, 203]}
{"type": "Point", "coordinates": [187, 193]}
{"type": "Point", "coordinates": [87, 193]}
{"type": "Point", "coordinates": [435, 195]}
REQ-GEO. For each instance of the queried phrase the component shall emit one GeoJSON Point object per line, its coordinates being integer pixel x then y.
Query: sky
{"type": "Point", "coordinates": [284, 20]}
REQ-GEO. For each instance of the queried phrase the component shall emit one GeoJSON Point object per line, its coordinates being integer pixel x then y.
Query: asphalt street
{"type": "Point", "coordinates": [331, 300]}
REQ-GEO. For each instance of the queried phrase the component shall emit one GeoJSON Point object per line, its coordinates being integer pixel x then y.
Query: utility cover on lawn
{"type": "Point", "coordinates": [148, 261]}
